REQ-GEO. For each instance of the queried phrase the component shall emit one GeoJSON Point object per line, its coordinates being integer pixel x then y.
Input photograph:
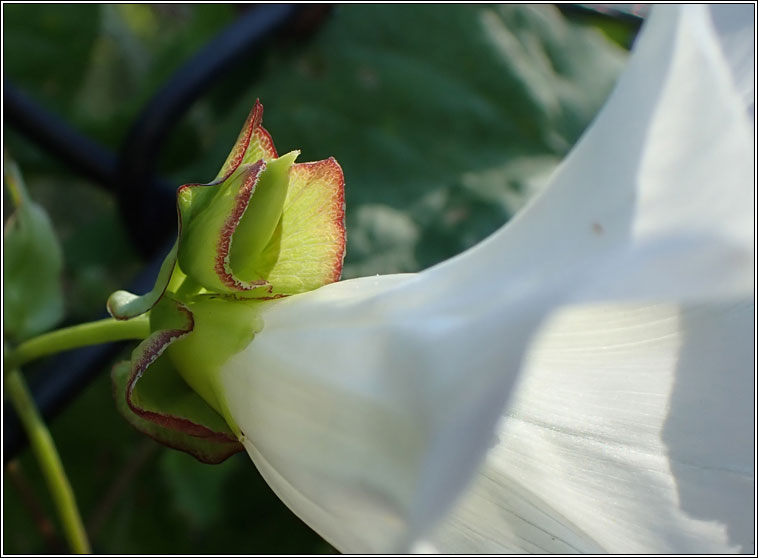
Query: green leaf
{"type": "Point", "coordinates": [32, 265]}
{"type": "Point", "coordinates": [197, 493]}
{"type": "Point", "coordinates": [36, 33]}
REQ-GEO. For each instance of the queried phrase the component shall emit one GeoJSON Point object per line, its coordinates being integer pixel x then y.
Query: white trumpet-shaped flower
{"type": "Point", "coordinates": [588, 366]}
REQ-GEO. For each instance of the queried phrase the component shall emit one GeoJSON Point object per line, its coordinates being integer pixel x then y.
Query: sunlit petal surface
{"type": "Point", "coordinates": [631, 430]}
{"type": "Point", "coordinates": [368, 404]}
{"type": "Point", "coordinates": [630, 433]}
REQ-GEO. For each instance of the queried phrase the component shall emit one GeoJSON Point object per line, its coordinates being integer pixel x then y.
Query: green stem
{"type": "Point", "coordinates": [50, 462]}
{"type": "Point", "coordinates": [92, 333]}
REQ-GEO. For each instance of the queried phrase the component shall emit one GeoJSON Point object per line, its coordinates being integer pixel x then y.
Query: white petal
{"type": "Point", "coordinates": [367, 414]}
{"type": "Point", "coordinates": [673, 202]}
{"type": "Point", "coordinates": [655, 201]}
{"type": "Point", "coordinates": [630, 433]}
{"type": "Point", "coordinates": [368, 404]}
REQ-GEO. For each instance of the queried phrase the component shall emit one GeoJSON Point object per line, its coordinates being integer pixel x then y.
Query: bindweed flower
{"type": "Point", "coordinates": [578, 382]}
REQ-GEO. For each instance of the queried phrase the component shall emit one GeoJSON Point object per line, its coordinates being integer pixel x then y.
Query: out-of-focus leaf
{"type": "Point", "coordinates": [35, 34]}
{"type": "Point", "coordinates": [196, 490]}
{"type": "Point", "coordinates": [32, 264]}
{"type": "Point", "coordinates": [96, 65]}
{"type": "Point", "coordinates": [468, 107]}
{"type": "Point", "coordinates": [138, 48]}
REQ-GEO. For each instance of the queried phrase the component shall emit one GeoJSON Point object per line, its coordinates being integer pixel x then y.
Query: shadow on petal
{"type": "Point", "coordinates": [708, 432]}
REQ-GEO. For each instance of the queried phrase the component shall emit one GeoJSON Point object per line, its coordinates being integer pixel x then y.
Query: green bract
{"type": "Point", "coordinates": [266, 227]}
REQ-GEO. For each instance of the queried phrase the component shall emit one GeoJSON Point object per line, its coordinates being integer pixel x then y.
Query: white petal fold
{"type": "Point", "coordinates": [622, 296]}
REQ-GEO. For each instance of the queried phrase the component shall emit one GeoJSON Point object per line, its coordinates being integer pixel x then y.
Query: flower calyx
{"type": "Point", "coordinates": [264, 228]}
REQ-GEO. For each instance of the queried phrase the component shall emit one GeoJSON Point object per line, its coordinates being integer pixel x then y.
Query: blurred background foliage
{"type": "Point", "coordinates": [444, 118]}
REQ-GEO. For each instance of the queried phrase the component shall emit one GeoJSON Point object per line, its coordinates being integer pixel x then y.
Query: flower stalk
{"type": "Point", "coordinates": [81, 335]}
{"type": "Point", "coordinates": [50, 462]}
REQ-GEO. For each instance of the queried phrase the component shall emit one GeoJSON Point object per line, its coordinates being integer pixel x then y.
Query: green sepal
{"type": "Point", "coordinates": [32, 265]}
{"type": "Point", "coordinates": [221, 329]}
{"type": "Point", "coordinates": [153, 397]}
{"type": "Point", "coordinates": [290, 240]}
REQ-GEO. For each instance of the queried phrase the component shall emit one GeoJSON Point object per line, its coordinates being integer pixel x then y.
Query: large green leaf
{"type": "Point", "coordinates": [443, 117]}
{"type": "Point", "coordinates": [197, 494]}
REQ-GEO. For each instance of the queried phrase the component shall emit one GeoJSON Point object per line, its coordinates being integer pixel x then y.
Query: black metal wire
{"type": "Point", "coordinates": [146, 219]}
{"type": "Point", "coordinates": [83, 155]}
{"type": "Point", "coordinates": [630, 14]}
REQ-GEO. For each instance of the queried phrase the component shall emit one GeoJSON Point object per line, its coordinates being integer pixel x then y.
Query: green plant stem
{"type": "Point", "coordinates": [91, 333]}
{"type": "Point", "coordinates": [50, 462]}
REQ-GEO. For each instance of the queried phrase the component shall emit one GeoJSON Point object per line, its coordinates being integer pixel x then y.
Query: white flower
{"type": "Point", "coordinates": [611, 319]}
